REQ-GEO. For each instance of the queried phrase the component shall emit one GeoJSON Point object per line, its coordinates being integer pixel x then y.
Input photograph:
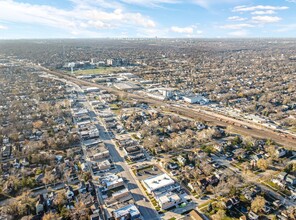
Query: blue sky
{"type": "Point", "coordinates": [147, 18]}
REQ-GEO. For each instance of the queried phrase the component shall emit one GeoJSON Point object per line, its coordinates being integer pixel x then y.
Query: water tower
{"type": "Point", "coordinates": [71, 65]}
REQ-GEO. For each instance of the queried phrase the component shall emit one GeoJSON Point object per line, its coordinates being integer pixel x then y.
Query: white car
{"type": "Point", "coordinates": [253, 216]}
{"type": "Point", "coordinates": [293, 197]}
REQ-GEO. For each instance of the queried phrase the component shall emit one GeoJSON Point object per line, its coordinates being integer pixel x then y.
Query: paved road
{"type": "Point", "coordinates": [145, 207]}
{"type": "Point", "coordinates": [147, 211]}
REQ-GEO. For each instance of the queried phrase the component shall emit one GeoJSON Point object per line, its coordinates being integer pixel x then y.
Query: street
{"type": "Point", "coordinates": [145, 207]}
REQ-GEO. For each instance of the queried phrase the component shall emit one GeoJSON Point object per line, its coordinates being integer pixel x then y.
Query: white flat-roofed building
{"type": "Point", "coordinates": [156, 96]}
{"type": "Point", "coordinates": [121, 193]}
{"type": "Point", "coordinates": [126, 86]}
{"type": "Point", "coordinates": [160, 183]}
{"type": "Point", "coordinates": [92, 142]}
{"type": "Point", "coordinates": [79, 111]}
{"type": "Point", "coordinates": [127, 212]}
{"type": "Point", "coordinates": [91, 89]}
{"type": "Point", "coordinates": [84, 77]}
{"type": "Point", "coordinates": [93, 133]}
{"type": "Point", "coordinates": [97, 152]}
{"type": "Point", "coordinates": [128, 75]}
{"type": "Point", "coordinates": [103, 154]}
{"type": "Point", "coordinates": [112, 181]}
{"type": "Point", "coordinates": [168, 200]}
{"type": "Point", "coordinates": [104, 165]}
{"type": "Point", "coordinates": [115, 183]}
{"type": "Point", "coordinates": [161, 93]}
{"type": "Point", "coordinates": [196, 99]}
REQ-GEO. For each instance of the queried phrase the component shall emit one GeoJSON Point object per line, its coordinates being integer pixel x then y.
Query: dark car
{"type": "Point", "coordinates": [243, 209]}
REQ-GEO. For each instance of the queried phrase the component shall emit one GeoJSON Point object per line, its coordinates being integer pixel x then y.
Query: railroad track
{"type": "Point", "coordinates": [238, 126]}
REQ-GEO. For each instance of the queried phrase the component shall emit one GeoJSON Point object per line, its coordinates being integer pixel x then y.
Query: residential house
{"type": "Point", "coordinates": [181, 160]}
{"type": "Point", "coordinates": [280, 152]}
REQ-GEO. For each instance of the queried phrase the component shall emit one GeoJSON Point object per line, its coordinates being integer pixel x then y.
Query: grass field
{"type": "Point", "coordinates": [99, 70]}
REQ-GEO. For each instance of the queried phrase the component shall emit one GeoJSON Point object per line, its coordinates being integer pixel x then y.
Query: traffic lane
{"type": "Point", "coordinates": [145, 208]}
{"type": "Point", "coordinates": [148, 213]}
{"type": "Point", "coordinates": [115, 155]}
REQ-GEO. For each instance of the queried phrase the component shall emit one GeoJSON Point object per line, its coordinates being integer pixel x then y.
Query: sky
{"type": "Point", "coordinates": [22, 19]}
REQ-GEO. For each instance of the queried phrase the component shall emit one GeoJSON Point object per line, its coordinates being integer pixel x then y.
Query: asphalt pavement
{"type": "Point", "coordinates": [148, 212]}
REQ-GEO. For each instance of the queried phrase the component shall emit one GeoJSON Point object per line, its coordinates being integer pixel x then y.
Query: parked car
{"type": "Point", "coordinates": [253, 216]}
{"type": "Point", "coordinates": [281, 217]}
{"type": "Point", "coordinates": [293, 197]}
{"type": "Point", "coordinates": [243, 209]}
{"type": "Point", "coordinates": [266, 209]}
{"type": "Point", "coordinates": [277, 204]}
{"type": "Point", "coordinates": [216, 165]}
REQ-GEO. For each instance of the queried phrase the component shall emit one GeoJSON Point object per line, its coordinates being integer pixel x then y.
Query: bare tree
{"type": "Point", "coordinates": [258, 204]}
{"type": "Point", "coordinates": [221, 214]}
{"type": "Point", "coordinates": [262, 164]}
{"type": "Point", "coordinates": [50, 216]}
{"type": "Point", "coordinates": [48, 178]}
{"type": "Point", "coordinates": [80, 212]}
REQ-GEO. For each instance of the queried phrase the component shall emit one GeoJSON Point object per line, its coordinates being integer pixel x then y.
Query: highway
{"type": "Point", "coordinates": [207, 116]}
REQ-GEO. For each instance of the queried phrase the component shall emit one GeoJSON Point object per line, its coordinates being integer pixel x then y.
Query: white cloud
{"type": "Point", "coordinates": [82, 17]}
{"type": "Point", "coordinates": [291, 1]}
{"type": "Point", "coordinates": [239, 33]}
{"type": "Point", "coordinates": [2, 27]}
{"type": "Point", "coordinates": [208, 3]}
{"type": "Point", "coordinates": [267, 12]}
{"type": "Point", "coordinates": [265, 19]}
{"type": "Point", "coordinates": [286, 28]}
{"type": "Point", "coordinates": [90, 4]}
{"type": "Point", "coordinates": [202, 3]}
{"type": "Point", "coordinates": [236, 18]}
{"type": "Point", "coordinates": [244, 8]}
{"type": "Point", "coordinates": [237, 26]}
{"type": "Point", "coordinates": [150, 3]}
{"type": "Point", "coordinates": [153, 32]}
{"type": "Point", "coordinates": [182, 30]}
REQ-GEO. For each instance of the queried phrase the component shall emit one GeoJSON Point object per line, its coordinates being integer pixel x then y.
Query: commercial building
{"type": "Point", "coordinates": [168, 200]}
{"type": "Point", "coordinates": [91, 89]}
{"type": "Point", "coordinates": [121, 194]}
{"type": "Point", "coordinates": [160, 184]}
{"type": "Point", "coordinates": [101, 155]}
{"type": "Point", "coordinates": [97, 152]}
{"type": "Point", "coordinates": [126, 86]}
{"type": "Point", "coordinates": [92, 142]}
{"type": "Point", "coordinates": [104, 165]}
{"type": "Point", "coordinates": [112, 181]}
{"type": "Point", "coordinates": [133, 152]}
{"type": "Point", "coordinates": [196, 99]}
{"type": "Point", "coordinates": [161, 93]}
{"type": "Point", "coordinates": [127, 212]}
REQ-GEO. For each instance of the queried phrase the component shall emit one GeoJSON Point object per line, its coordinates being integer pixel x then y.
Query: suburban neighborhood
{"type": "Point", "coordinates": [119, 144]}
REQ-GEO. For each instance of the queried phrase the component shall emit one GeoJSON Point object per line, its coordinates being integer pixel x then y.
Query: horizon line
{"type": "Point", "coordinates": [147, 38]}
